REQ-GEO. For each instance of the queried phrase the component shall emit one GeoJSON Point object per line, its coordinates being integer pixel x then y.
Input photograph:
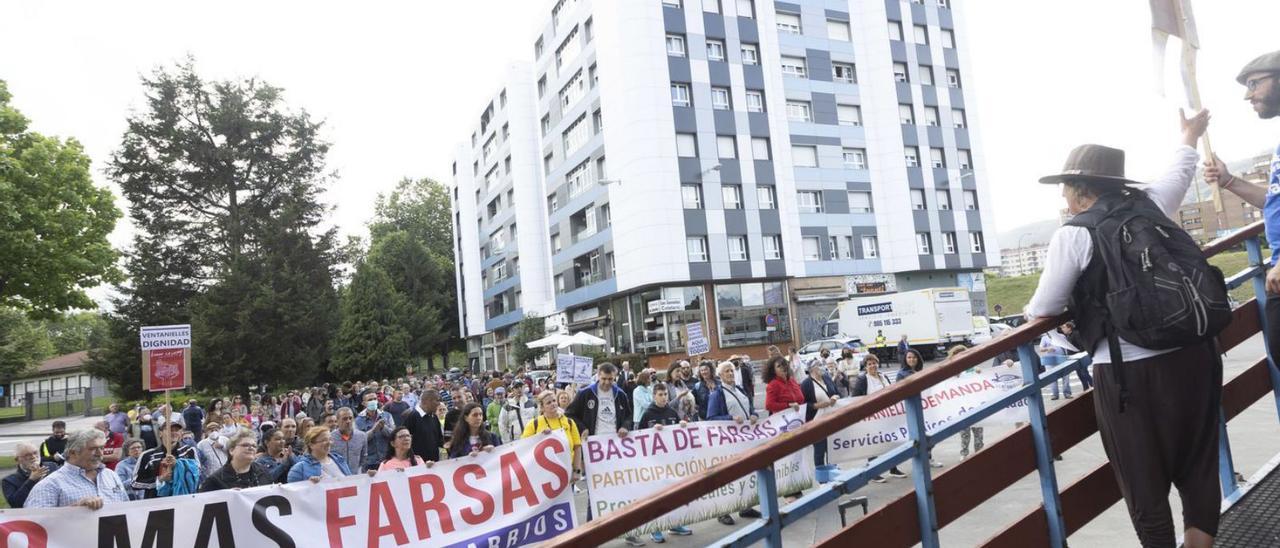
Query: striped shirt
{"type": "Point", "coordinates": [69, 484]}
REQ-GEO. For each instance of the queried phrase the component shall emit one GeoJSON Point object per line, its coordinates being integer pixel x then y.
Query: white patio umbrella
{"type": "Point", "coordinates": [563, 340]}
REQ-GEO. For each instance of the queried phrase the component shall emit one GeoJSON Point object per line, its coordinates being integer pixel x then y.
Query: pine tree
{"type": "Point", "coordinates": [371, 341]}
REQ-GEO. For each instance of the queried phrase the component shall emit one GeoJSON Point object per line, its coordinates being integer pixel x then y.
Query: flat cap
{"type": "Point", "coordinates": [1267, 62]}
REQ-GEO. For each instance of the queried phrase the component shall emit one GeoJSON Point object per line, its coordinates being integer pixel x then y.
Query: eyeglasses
{"type": "Point", "coordinates": [247, 445]}
{"type": "Point", "coordinates": [1252, 83]}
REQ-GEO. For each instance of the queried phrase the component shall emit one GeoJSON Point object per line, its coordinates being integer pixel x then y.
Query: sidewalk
{"type": "Point", "coordinates": [34, 432]}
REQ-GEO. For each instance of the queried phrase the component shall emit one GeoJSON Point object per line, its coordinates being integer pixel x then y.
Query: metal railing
{"type": "Point", "coordinates": [935, 502]}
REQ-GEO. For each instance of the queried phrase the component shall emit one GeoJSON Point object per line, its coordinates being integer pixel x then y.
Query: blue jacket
{"type": "Point", "coordinates": [702, 395]}
{"type": "Point", "coordinates": [718, 407]}
{"type": "Point", "coordinates": [308, 467]}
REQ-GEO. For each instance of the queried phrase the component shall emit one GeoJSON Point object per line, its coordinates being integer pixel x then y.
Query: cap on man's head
{"type": "Point", "coordinates": [1267, 62]}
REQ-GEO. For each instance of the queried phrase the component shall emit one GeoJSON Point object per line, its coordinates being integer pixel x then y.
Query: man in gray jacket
{"type": "Point", "coordinates": [349, 442]}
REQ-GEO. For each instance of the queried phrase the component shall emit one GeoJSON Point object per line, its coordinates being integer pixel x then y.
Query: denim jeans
{"type": "Point", "coordinates": [1051, 360]}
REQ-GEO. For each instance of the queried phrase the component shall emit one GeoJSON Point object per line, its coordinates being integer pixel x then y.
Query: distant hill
{"type": "Point", "coordinates": [1038, 232]}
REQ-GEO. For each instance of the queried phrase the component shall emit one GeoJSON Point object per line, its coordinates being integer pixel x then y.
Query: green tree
{"type": "Point", "coordinates": [54, 221]}
{"type": "Point", "coordinates": [223, 182]}
{"type": "Point", "coordinates": [23, 343]}
{"type": "Point", "coordinates": [530, 328]}
{"type": "Point", "coordinates": [421, 209]}
{"type": "Point", "coordinates": [416, 277]}
{"type": "Point", "coordinates": [75, 332]}
{"type": "Point", "coordinates": [371, 341]}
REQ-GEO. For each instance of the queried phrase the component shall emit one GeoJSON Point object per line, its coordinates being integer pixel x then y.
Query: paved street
{"type": "Point", "coordinates": [1253, 433]}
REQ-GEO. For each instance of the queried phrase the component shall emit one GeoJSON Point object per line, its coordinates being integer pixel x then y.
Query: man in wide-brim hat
{"type": "Point", "coordinates": [1158, 423]}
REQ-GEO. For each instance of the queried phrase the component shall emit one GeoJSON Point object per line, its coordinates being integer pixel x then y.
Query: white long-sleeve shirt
{"type": "Point", "coordinates": [1071, 248]}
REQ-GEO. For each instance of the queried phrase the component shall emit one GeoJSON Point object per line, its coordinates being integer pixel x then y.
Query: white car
{"type": "Point", "coordinates": [813, 350]}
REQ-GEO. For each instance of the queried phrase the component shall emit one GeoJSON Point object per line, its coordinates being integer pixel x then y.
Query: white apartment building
{"type": "Point", "coordinates": [1022, 261]}
{"type": "Point", "coordinates": [739, 164]}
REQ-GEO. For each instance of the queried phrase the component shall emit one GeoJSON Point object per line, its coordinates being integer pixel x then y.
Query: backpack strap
{"type": "Point", "coordinates": [1089, 222]}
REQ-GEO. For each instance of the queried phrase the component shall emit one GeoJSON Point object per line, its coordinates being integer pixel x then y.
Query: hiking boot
{"type": "Point", "coordinates": [633, 541]}
{"type": "Point", "coordinates": [726, 519]}
{"type": "Point", "coordinates": [895, 473]}
{"type": "Point", "coordinates": [680, 531]}
{"type": "Point", "coordinates": [750, 513]}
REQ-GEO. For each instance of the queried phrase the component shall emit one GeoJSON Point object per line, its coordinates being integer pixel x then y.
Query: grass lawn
{"type": "Point", "coordinates": [1013, 293]}
{"type": "Point", "coordinates": [57, 409]}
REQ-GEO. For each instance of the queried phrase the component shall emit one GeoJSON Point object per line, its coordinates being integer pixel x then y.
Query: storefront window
{"type": "Point", "coordinates": [752, 313]}
{"type": "Point", "coordinates": [661, 317]}
{"type": "Point", "coordinates": [621, 326]}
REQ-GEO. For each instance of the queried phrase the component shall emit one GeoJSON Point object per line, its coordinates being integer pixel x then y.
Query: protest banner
{"type": "Point", "coordinates": [621, 470]}
{"type": "Point", "coordinates": [943, 403]}
{"type": "Point", "coordinates": [166, 357]}
{"type": "Point", "coordinates": [698, 343]}
{"type": "Point", "coordinates": [514, 496]}
{"type": "Point", "coordinates": [565, 369]}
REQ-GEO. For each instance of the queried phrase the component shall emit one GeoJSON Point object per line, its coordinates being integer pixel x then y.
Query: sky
{"type": "Point", "coordinates": [399, 84]}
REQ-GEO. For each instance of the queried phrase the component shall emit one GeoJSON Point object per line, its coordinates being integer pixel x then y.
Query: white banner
{"type": "Point", "coordinates": [943, 403]}
{"type": "Point", "coordinates": [163, 337]}
{"type": "Point", "coordinates": [517, 495]}
{"type": "Point", "coordinates": [622, 470]}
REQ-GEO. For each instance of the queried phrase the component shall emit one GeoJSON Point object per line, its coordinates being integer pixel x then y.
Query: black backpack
{"type": "Point", "coordinates": [1161, 291]}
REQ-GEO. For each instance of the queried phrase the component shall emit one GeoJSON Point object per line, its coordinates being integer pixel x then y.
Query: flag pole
{"type": "Point", "coordinates": [1193, 95]}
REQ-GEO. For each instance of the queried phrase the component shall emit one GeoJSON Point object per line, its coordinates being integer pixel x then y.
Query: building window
{"type": "Point", "coordinates": [553, 203]}
{"type": "Point", "coordinates": [966, 159]}
{"type": "Point", "coordinates": [772, 247]}
{"type": "Point", "coordinates": [860, 202]}
{"type": "Point", "coordinates": [905, 115]}
{"type": "Point", "coordinates": [971, 200]}
{"type": "Point", "coordinates": [506, 131]}
{"type": "Point", "coordinates": [675, 45]}
{"type": "Point", "coordinates": [843, 72]}
{"type": "Point", "coordinates": [799, 111]}
{"type": "Point", "coordinates": [809, 201]}
{"type": "Point", "coordinates": [576, 135]}
{"type": "Point", "coordinates": [924, 244]}
{"type": "Point", "coordinates": [600, 172]}
{"type": "Point", "coordinates": [686, 145]}
{"type": "Point", "coordinates": [838, 30]}
{"type": "Point", "coordinates": [579, 179]}
{"type": "Point", "coordinates": [957, 118]}
{"type": "Point", "coordinates": [953, 78]}
{"type": "Point", "coordinates": [732, 195]}
{"type": "Point", "coordinates": [917, 199]}
{"type": "Point", "coordinates": [680, 95]}
{"type": "Point", "coordinates": [546, 124]}
{"type": "Point", "coordinates": [949, 243]}
{"type": "Point", "coordinates": [943, 197]}
{"type": "Point", "coordinates": [711, 6]}
{"type": "Point", "coordinates": [555, 243]}
{"type": "Point", "coordinates": [569, 49]}
{"type": "Point", "coordinates": [936, 158]}
{"type": "Point", "coordinates": [546, 164]}
{"type": "Point", "coordinates": [738, 248]}
{"type": "Point", "coordinates": [537, 48]}
{"type": "Point", "coordinates": [847, 252]}
{"type": "Point", "coordinates": [559, 283]}
{"type": "Point", "coordinates": [855, 158]}
{"type": "Point", "coordinates": [715, 50]}
{"type": "Point", "coordinates": [542, 86]}
{"type": "Point", "coordinates": [697, 249]}
{"type": "Point", "coordinates": [720, 99]}
{"type": "Point", "coordinates": [691, 195]}
{"type": "Point", "coordinates": [811, 248]}
{"type": "Point", "coordinates": [726, 147]}
{"type": "Point", "coordinates": [746, 8]}
{"type": "Point", "coordinates": [912, 156]}
{"type": "Point", "coordinates": [760, 148]}
{"type": "Point", "coordinates": [752, 313]}
{"type": "Point", "coordinates": [926, 75]}
{"type": "Point", "coordinates": [572, 92]}
{"type": "Point", "coordinates": [948, 39]}
{"type": "Point", "coordinates": [900, 72]}
{"type": "Point", "coordinates": [895, 30]}
{"type": "Point", "coordinates": [593, 76]}
{"type": "Point", "coordinates": [672, 3]}
{"type": "Point", "coordinates": [755, 101]}
{"type": "Point", "coordinates": [922, 34]}
{"type": "Point", "coordinates": [804, 155]}
{"type": "Point", "coordinates": [870, 247]}
{"type": "Point", "coordinates": [931, 116]}
{"type": "Point", "coordinates": [793, 66]}
{"type": "Point", "coordinates": [750, 54]}
{"type": "Point", "coordinates": [788, 22]}
{"type": "Point", "coordinates": [975, 242]}
{"type": "Point", "coordinates": [597, 121]}
{"type": "Point", "coordinates": [833, 247]}
{"type": "Point", "coordinates": [765, 195]}
{"type": "Point", "coordinates": [849, 115]}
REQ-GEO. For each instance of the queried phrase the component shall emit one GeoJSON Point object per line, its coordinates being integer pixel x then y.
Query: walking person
{"type": "Point", "coordinates": [1157, 409]}
{"type": "Point", "coordinates": [1068, 330]}
{"type": "Point", "coordinates": [972, 433]}
{"type": "Point", "coordinates": [868, 383]}
{"type": "Point", "coordinates": [1261, 80]}
{"type": "Point", "coordinates": [659, 414]}
{"type": "Point", "coordinates": [1051, 355]}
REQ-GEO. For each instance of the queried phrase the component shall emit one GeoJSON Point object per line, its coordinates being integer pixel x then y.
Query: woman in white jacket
{"type": "Point", "coordinates": [517, 411]}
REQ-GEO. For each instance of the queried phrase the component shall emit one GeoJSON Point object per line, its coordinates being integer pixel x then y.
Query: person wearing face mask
{"type": "Point", "coordinates": [517, 411]}
{"type": "Point", "coordinates": [377, 426]}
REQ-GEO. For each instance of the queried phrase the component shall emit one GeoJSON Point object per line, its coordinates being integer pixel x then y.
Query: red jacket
{"type": "Point", "coordinates": [780, 394]}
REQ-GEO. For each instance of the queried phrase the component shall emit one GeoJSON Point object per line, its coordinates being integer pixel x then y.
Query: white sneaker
{"type": "Point", "coordinates": [935, 463]}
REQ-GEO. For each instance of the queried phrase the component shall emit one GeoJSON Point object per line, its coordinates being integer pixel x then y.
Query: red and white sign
{"type": "Point", "coordinates": [166, 357]}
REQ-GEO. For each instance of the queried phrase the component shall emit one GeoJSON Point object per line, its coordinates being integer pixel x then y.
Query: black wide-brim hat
{"type": "Point", "coordinates": [1092, 164]}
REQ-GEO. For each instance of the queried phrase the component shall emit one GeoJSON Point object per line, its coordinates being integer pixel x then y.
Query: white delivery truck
{"type": "Point", "coordinates": [930, 318]}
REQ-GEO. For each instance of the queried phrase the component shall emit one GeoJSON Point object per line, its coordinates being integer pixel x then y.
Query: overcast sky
{"type": "Point", "coordinates": [400, 83]}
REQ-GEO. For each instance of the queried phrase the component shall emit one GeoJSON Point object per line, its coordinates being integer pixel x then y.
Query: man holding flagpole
{"type": "Point", "coordinates": [1261, 79]}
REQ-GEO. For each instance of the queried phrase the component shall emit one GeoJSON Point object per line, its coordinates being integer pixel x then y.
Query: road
{"type": "Point", "coordinates": [1253, 433]}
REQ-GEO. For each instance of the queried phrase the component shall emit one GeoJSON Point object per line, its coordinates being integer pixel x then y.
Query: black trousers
{"type": "Point", "coordinates": [1166, 435]}
{"type": "Point", "coordinates": [1272, 315]}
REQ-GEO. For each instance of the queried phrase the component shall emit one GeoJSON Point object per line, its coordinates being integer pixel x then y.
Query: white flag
{"type": "Point", "coordinates": [1174, 18]}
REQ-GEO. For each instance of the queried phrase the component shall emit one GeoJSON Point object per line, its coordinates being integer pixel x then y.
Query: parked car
{"type": "Point", "coordinates": [814, 349]}
{"type": "Point", "coordinates": [539, 374]}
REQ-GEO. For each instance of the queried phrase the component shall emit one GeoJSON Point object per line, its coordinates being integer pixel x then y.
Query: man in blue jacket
{"type": "Point", "coordinates": [602, 407]}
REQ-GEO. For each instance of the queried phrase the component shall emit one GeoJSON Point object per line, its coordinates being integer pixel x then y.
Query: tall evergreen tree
{"type": "Point", "coordinates": [416, 276]}
{"type": "Point", "coordinates": [371, 342]}
{"type": "Point", "coordinates": [223, 183]}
